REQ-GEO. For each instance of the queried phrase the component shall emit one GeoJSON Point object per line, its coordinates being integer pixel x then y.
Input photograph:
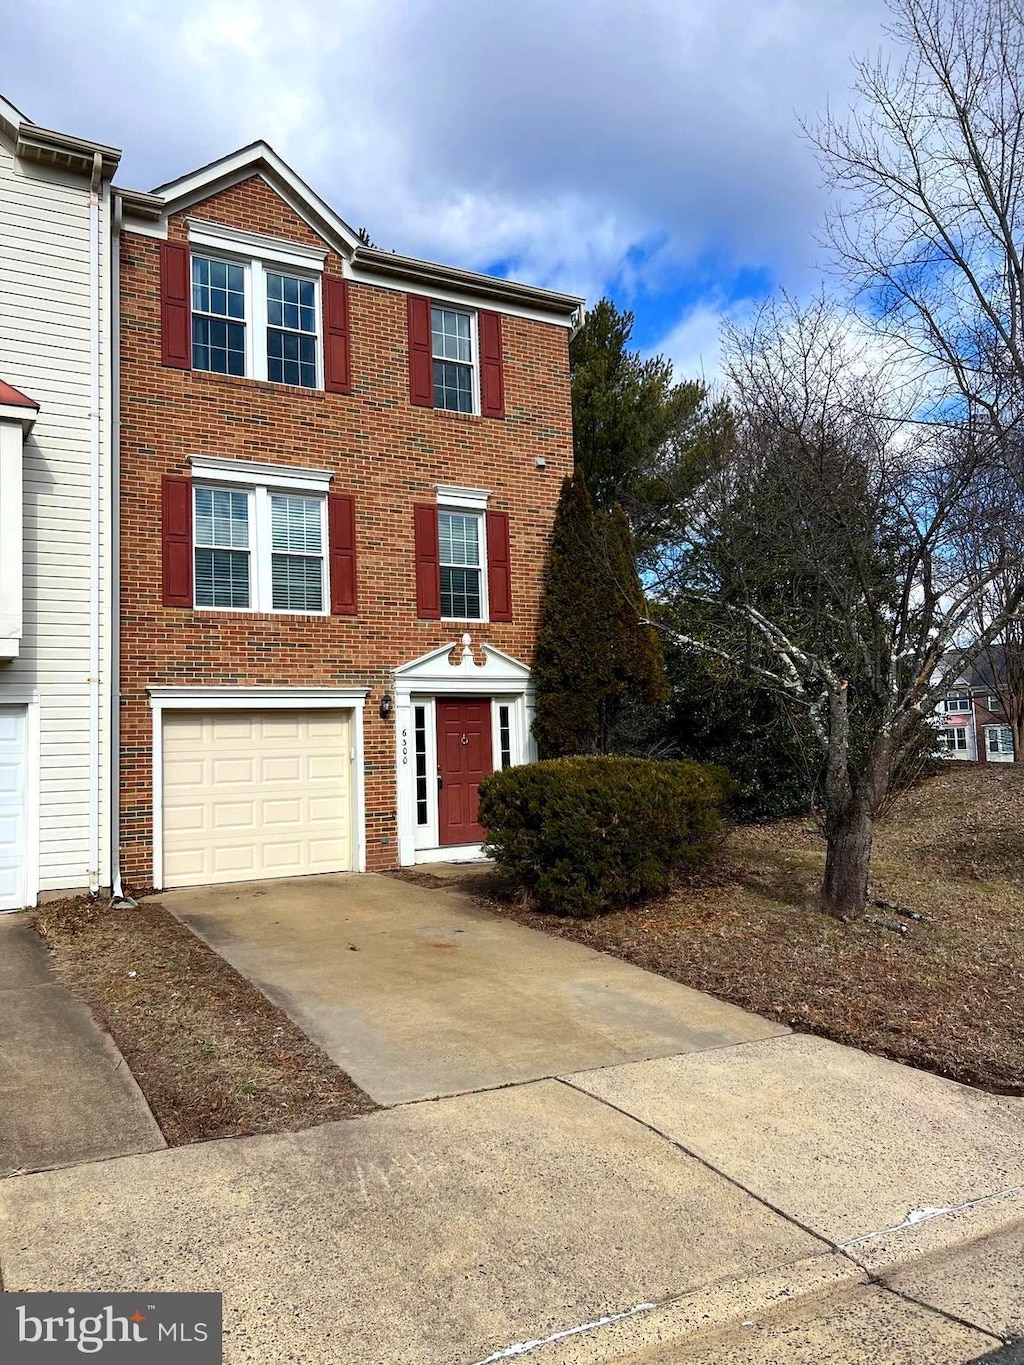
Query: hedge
{"type": "Point", "coordinates": [587, 834]}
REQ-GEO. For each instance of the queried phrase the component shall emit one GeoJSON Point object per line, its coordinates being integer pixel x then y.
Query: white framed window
{"type": "Point", "coordinates": [453, 350]}
{"type": "Point", "coordinates": [220, 521]}
{"type": "Point", "coordinates": [992, 702]}
{"type": "Point", "coordinates": [998, 739]}
{"type": "Point", "coordinates": [218, 316]}
{"type": "Point", "coordinates": [291, 330]}
{"type": "Point", "coordinates": [462, 558]}
{"type": "Point", "coordinates": [953, 738]}
{"type": "Point", "coordinates": [260, 549]}
{"type": "Point", "coordinates": [256, 308]}
{"type": "Point", "coordinates": [958, 703]}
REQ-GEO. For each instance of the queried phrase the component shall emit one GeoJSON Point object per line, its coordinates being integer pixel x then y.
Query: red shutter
{"type": "Point", "coordinates": [337, 347]}
{"type": "Point", "coordinates": [428, 562]}
{"type": "Point", "coordinates": [499, 567]}
{"type": "Point", "coordinates": [492, 369]}
{"type": "Point", "coordinates": [341, 531]}
{"type": "Point", "coordinates": [177, 541]}
{"type": "Point", "coordinates": [175, 311]}
{"type": "Point", "coordinates": [421, 365]}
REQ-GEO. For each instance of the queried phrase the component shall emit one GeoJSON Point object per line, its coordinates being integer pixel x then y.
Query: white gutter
{"type": "Point", "coordinates": [95, 472]}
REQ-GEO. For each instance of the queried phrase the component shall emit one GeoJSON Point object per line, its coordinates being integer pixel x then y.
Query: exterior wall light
{"type": "Point", "coordinates": [387, 705]}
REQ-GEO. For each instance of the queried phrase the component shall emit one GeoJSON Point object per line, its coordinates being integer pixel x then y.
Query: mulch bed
{"type": "Point", "coordinates": [212, 1055]}
{"type": "Point", "coordinates": [945, 993]}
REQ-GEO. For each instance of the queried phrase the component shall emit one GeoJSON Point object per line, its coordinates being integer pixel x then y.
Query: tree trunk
{"type": "Point", "coordinates": [844, 891]}
{"type": "Point", "coordinates": [850, 822]}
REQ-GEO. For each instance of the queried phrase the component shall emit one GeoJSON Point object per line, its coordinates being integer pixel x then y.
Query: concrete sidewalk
{"type": "Point", "coordinates": [418, 992]}
{"type": "Point", "coordinates": [66, 1094]}
{"type": "Point", "coordinates": [542, 1222]}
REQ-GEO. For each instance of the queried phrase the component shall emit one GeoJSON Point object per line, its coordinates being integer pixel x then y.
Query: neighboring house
{"type": "Point", "coordinates": [339, 469]}
{"type": "Point", "coordinates": [972, 722]}
{"type": "Point", "coordinates": [55, 510]}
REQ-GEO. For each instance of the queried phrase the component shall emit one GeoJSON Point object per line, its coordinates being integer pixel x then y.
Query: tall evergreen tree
{"type": "Point", "coordinates": [636, 432]}
{"type": "Point", "coordinates": [593, 652]}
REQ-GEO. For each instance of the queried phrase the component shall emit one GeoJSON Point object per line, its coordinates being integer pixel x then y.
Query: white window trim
{"type": "Point", "coordinates": [216, 237]}
{"type": "Point", "coordinates": [213, 469]}
{"type": "Point", "coordinates": [260, 548]}
{"type": "Point", "coordinates": [956, 710]}
{"type": "Point", "coordinates": [474, 363]}
{"type": "Point", "coordinates": [256, 254]}
{"type": "Point", "coordinates": [455, 498]}
{"type": "Point", "coordinates": [993, 697]}
{"type": "Point", "coordinates": [485, 606]}
{"type": "Point", "coordinates": [351, 699]}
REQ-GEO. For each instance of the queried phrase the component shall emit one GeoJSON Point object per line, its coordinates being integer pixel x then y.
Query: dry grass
{"type": "Point", "coordinates": [212, 1055]}
{"type": "Point", "coordinates": [947, 994]}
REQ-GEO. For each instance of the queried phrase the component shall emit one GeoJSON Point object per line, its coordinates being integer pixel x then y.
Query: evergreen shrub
{"type": "Point", "coordinates": [587, 834]}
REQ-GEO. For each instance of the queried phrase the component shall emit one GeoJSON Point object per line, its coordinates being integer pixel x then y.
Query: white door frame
{"type": "Point", "coordinates": [501, 679]}
{"type": "Point", "coordinates": [26, 700]}
{"type": "Point", "coordinates": [351, 699]}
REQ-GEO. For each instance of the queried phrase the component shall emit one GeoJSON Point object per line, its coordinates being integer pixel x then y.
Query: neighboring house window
{"type": "Point", "coordinates": [958, 702]}
{"type": "Point", "coordinates": [999, 739]}
{"type": "Point", "coordinates": [259, 550]}
{"type": "Point", "coordinates": [291, 330]}
{"type": "Point", "coordinates": [992, 703]}
{"type": "Point", "coordinates": [953, 738]}
{"type": "Point", "coordinates": [218, 316]}
{"type": "Point", "coordinates": [451, 338]}
{"type": "Point", "coordinates": [460, 537]}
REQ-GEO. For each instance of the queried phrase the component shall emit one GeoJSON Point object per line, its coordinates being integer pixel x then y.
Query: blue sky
{"type": "Point", "coordinates": [648, 149]}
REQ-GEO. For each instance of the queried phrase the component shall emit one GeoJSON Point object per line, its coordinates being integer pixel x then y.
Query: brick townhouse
{"type": "Point", "coordinates": [338, 469]}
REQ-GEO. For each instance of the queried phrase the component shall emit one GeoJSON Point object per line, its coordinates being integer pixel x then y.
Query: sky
{"type": "Point", "coordinates": [648, 150]}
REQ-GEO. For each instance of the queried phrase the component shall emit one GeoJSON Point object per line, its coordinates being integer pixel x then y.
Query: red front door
{"type": "Point", "coordinates": [464, 760]}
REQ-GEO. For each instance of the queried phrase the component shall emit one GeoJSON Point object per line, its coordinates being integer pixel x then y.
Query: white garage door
{"type": "Point", "coordinates": [255, 794]}
{"type": "Point", "coordinates": [13, 799]}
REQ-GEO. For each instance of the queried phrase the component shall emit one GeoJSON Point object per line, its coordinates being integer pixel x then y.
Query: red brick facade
{"type": "Point", "coordinates": [382, 450]}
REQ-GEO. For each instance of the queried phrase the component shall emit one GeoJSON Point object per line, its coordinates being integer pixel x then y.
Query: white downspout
{"type": "Point", "coordinates": [116, 889]}
{"type": "Point", "coordinates": [95, 472]}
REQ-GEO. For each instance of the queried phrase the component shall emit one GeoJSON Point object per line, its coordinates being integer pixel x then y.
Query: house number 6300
{"type": "Point", "coordinates": [405, 747]}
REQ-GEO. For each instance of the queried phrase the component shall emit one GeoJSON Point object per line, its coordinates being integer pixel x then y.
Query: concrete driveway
{"type": "Point", "coordinates": [416, 992]}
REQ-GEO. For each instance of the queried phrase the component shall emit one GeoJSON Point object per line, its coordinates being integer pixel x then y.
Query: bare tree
{"type": "Point", "coordinates": [820, 556]}
{"type": "Point", "coordinates": [928, 224]}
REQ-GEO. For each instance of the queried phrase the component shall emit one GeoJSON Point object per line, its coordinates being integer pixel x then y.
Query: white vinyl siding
{"type": "Point", "coordinates": [45, 352]}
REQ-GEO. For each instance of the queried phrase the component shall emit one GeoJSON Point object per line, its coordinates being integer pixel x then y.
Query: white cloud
{"type": "Point", "coordinates": [557, 137]}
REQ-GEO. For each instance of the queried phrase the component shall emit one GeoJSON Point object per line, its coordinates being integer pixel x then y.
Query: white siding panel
{"type": "Point", "coordinates": [45, 351]}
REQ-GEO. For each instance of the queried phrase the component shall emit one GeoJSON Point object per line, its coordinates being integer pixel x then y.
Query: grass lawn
{"type": "Point", "coordinates": [946, 995]}
{"type": "Point", "coordinates": [212, 1055]}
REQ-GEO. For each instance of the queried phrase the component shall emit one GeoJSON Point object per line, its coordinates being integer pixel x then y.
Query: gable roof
{"type": "Point", "coordinates": [981, 673]}
{"type": "Point", "coordinates": [259, 158]}
{"type": "Point", "coordinates": [367, 262]}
